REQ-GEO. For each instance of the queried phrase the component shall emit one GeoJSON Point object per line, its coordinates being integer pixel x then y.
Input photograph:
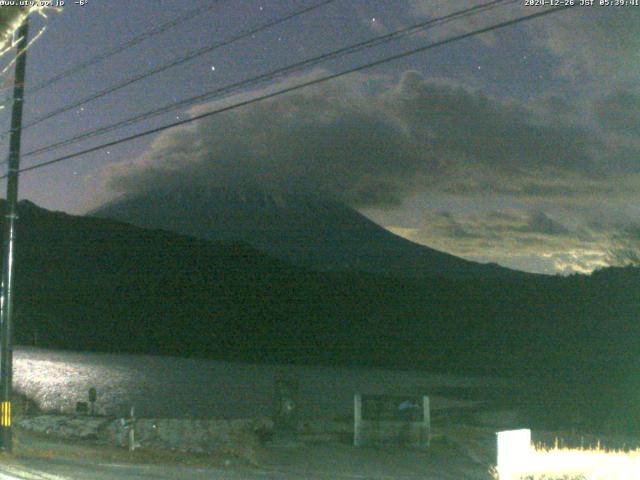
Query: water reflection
{"type": "Point", "coordinates": [184, 388]}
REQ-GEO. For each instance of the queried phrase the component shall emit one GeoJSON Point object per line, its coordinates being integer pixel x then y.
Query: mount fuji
{"type": "Point", "coordinates": [302, 229]}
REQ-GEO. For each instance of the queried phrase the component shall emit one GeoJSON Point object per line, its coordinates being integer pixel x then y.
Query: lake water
{"type": "Point", "coordinates": [184, 388]}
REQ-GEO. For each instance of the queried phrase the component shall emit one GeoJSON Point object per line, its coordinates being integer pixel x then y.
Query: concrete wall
{"type": "Point", "coordinates": [198, 436]}
{"type": "Point", "coordinates": [64, 426]}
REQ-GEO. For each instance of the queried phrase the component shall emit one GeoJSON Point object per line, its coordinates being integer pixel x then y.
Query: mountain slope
{"type": "Point", "coordinates": [301, 229]}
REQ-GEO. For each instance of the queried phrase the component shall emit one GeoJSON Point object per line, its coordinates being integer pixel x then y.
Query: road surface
{"type": "Point", "coordinates": [39, 469]}
{"type": "Point", "coordinates": [42, 469]}
{"type": "Point", "coordinates": [40, 458]}
{"type": "Point", "coordinates": [322, 464]}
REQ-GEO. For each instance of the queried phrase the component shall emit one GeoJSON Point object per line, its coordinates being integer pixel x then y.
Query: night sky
{"type": "Point", "coordinates": [519, 146]}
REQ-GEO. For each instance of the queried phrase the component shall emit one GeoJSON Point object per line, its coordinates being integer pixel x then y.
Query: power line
{"type": "Point", "coordinates": [120, 48]}
{"type": "Point", "coordinates": [270, 75]}
{"type": "Point", "coordinates": [279, 72]}
{"type": "Point", "coordinates": [298, 87]}
{"type": "Point", "coordinates": [174, 63]}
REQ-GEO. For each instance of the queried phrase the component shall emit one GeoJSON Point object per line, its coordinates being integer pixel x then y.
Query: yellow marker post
{"type": "Point", "coordinates": [5, 414]}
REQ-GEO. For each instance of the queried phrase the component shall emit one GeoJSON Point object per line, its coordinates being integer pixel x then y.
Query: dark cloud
{"type": "Point", "coordinates": [559, 106]}
{"type": "Point", "coordinates": [620, 112]}
{"type": "Point", "coordinates": [532, 240]}
{"type": "Point", "coordinates": [326, 141]}
{"type": "Point", "coordinates": [366, 149]}
{"type": "Point", "coordinates": [498, 224]}
{"type": "Point", "coordinates": [464, 124]}
{"type": "Point", "coordinates": [622, 241]}
{"type": "Point", "coordinates": [539, 222]}
{"type": "Point", "coordinates": [597, 41]}
{"type": "Point", "coordinates": [451, 228]}
{"type": "Point", "coordinates": [587, 42]}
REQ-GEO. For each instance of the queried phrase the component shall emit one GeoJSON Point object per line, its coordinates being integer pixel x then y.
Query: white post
{"type": "Point", "coordinates": [132, 433]}
{"type": "Point", "coordinates": [357, 420]}
{"type": "Point", "coordinates": [514, 450]}
{"type": "Point", "coordinates": [426, 412]}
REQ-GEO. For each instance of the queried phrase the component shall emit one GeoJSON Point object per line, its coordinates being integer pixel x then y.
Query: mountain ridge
{"type": "Point", "coordinates": [304, 230]}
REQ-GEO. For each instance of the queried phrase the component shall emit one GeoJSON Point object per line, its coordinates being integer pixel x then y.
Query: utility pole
{"type": "Point", "coordinates": [6, 297]}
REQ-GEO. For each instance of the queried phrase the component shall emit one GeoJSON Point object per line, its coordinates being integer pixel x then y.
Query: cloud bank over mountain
{"type": "Point", "coordinates": [376, 144]}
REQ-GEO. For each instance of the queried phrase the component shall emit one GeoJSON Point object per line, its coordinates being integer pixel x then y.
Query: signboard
{"type": "Point", "coordinates": [392, 408]}
{"type": "Point", "coordinates": [391, 419]}
{"type": "Point", "coordinates": [514, 452]}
